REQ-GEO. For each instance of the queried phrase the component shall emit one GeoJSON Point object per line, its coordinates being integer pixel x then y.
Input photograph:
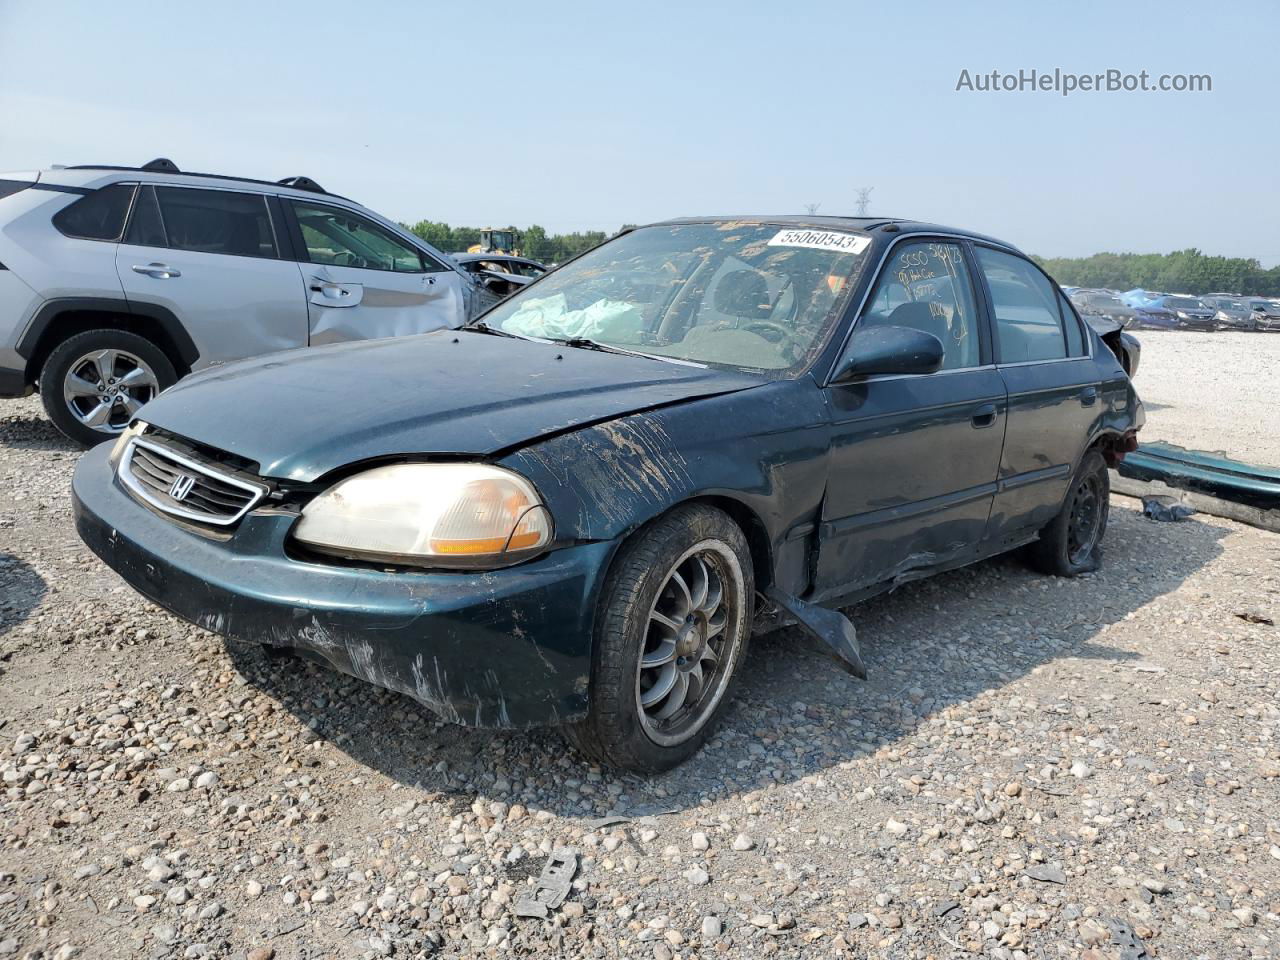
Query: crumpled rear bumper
{"type": "Point", "coordinates": [508, 648]}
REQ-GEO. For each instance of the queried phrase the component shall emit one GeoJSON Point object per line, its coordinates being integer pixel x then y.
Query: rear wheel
{"type": "Point", "coordinates": [93, 383]}
{"type": "Point", "coordinates": [672, 630]}
{"type": "Point", "coordinates": [1071, 543]}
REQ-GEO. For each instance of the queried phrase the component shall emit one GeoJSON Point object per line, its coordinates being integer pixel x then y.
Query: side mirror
{"type": "Point", "coordinates": [889, 350]}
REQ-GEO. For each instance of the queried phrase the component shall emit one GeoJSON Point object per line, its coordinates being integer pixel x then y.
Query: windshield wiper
{"type": "Point", "coordinates": [586, 343]}
{"type": "Point", "coordinates": [479, 326]}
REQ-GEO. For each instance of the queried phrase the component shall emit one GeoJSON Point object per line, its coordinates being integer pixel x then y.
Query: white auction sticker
{"type": "Point", "coordinates": [821, 240]}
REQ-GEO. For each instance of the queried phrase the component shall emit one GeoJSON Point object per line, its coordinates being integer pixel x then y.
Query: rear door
{"type": "Point", "coordinates": [1053, 384]}
{"type": "Point", "coordinates": [914, 458]}
{"type": "Point", "coordinates": [214, 259]}
{"type": "Point", "coordinates": [363, 281]}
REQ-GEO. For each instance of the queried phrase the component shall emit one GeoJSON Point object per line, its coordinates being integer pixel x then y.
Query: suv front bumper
{"type": "Point", "coordinates": [504, 648]}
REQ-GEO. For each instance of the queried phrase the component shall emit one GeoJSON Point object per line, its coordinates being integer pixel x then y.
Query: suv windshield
{"type": "Point", "coordinates": [750, 296]}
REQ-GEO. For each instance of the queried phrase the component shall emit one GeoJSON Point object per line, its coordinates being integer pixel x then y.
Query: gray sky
{"type": "Point", "coordinates": [586, 116]}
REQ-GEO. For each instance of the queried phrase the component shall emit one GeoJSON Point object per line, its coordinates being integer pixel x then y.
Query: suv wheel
{"type": "Point", "coordinates": [672, 630]}
{"type": "Point", "coordinates": [94, 382]}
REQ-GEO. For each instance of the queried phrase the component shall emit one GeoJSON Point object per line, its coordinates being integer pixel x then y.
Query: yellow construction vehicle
{"type": "Point", "coordinates": [496, 241]}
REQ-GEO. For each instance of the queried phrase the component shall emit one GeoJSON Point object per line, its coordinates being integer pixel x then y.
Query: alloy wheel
{"type": "Point", "coordinates": [693, 637]}
{"type": "Point", "coordinates": [104, 389]}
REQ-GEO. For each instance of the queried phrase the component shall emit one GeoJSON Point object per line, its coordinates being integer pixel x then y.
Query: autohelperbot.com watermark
{"type": "Point", "coordinates": [1065, 82]}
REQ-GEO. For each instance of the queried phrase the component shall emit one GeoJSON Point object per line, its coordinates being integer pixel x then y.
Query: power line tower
{"type": "Point", "coordinates": [811, 208]}
{"type": "Point", "coordinates": [864, 200]}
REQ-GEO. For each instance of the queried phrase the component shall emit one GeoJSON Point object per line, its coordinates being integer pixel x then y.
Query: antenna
{"type": "Point", "coordinates": [864, 200]}
{"type": "Point", "coordinates": [811, 208]}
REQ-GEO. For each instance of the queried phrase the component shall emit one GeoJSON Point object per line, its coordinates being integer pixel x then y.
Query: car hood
{"type": "Point", "coordinates": [303, 413]}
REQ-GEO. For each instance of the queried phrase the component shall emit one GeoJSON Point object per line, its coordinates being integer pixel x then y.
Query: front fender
{"type": "Point", "coordinates": [765, 449]}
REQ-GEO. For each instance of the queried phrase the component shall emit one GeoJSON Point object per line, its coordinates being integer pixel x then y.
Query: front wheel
{"type": "Point", "coordinates": [671, 632]}
{"type": "Point", "coordinates": [1071, 543]}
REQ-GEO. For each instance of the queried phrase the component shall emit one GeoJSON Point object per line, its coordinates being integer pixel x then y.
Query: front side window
{"type": "Point", "coordinates": [337, 237]}
{"type": "Point", "coordinates": [97, 216]}
{"type": "Point", "coordinates": [1028, 320]}
{"type": "Point", "coordinates": [757, 297]}
{"type": "Point", "coordinates": [926, 285]}
{"type": "Point", "coordinates": [216, 221]}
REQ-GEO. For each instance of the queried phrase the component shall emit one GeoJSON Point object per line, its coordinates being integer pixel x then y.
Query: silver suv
{"type": "Point", "coordinates": [116, 281]}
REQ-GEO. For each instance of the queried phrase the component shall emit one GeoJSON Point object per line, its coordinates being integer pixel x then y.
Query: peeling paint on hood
{"type": "Point", "coordinates": [304, 413]}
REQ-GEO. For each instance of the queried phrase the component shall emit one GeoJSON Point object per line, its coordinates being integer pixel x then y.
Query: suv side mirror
{"type": "Point", "coordinates": [889, 350]}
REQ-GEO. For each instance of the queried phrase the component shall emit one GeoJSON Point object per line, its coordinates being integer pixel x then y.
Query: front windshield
{"type": "Point", "coordinates": [750, 296]}
{"type": "Point", "coordinates": [1183, 303]}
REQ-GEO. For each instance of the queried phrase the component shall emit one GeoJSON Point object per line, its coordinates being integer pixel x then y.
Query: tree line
{"type": "Point", "coordinates": [1183, 271]}
{"type": "Point", "coordinates": [534, 241]}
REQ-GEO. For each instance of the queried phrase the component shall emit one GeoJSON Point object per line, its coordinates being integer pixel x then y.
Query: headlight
{"type": "Point", "coordinates": [137, 428]}
{"type": "Point", "coordinates": [429, 514]}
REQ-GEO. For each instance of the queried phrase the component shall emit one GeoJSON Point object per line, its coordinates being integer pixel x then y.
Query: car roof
{"type": "Point", "coordinates": [863, 224]}
{"type": "Point", "coordinates": [96, 175]}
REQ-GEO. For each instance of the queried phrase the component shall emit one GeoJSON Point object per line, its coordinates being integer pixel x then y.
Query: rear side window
{"type": "Point", "coordinates": [1071, 324]}
{"type": "Point", "coordinates": [1028, 319]}
{"type": "Point", "coordinates": [8, 187]}
{"type": "Point", "coordinates": [216, 221]}
{"type": "Point", "coordinates": [146, 228]}
{"type": "Point", "coordinates": [98, 216]}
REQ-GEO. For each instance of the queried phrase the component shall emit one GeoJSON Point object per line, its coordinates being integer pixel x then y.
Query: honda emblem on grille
{"type": "Point", "coordinates": [181, 486]}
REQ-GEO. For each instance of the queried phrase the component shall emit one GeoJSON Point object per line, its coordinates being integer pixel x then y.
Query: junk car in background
{"type": "Point", "coordinates": [117, 281]}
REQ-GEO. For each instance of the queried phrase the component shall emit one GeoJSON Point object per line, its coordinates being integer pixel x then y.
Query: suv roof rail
{"type": "Point", "coordinates": [161, 165]}
{"type": "Point", "coordinates": [302, 183]}
{"type": "Point", "coordinates": [165, 165]}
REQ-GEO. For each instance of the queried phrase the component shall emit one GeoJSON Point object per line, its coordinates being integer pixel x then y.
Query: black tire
{"type": "Point", "coordinates": [73, 354]}
{"type": "Point", "coordinates": [1071, 543]}
{"type": "Point", "coordinates": [619, 731]}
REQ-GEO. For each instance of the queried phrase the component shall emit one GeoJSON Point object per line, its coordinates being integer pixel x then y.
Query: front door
{"type": "Point", "coordinates": [1053, 386]}
{"type": "Point", "coordinates": [211, 258]}
{"type": "Point", "coordinates": [363, 281]}
{"type": "Point", "coordinates": [914, 458]}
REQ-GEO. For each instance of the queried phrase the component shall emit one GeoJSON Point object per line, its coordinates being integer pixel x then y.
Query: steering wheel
{"type": "Point", "coordinates": [773, 332]}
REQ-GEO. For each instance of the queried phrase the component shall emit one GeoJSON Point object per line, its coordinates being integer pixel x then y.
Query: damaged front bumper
{"type": "Point", "coordinates": [507, 648]}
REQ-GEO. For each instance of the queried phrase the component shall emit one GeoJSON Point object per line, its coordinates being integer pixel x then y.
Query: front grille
{"type": "Point", "coordinates": [177, 484]}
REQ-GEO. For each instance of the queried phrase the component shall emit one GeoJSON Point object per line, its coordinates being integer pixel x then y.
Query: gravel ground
{"type": "Point", "coordinates": [1038, 768]}
{"type": "Point", "coordinates": [1213, 391]}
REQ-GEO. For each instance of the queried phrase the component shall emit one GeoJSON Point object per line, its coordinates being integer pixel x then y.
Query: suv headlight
{"type": "Point", "coordinates": [429, 514]}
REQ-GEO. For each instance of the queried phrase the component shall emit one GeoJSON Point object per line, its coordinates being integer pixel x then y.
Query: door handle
{"type": "Point", "coordinates": [334, 291]}
{"type": "Point", "coordinates": [159, 271]}
{"type": "Point", "coordinates": [984, 416]}
{"type": "Point", "coordinates": [1088, 396]}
